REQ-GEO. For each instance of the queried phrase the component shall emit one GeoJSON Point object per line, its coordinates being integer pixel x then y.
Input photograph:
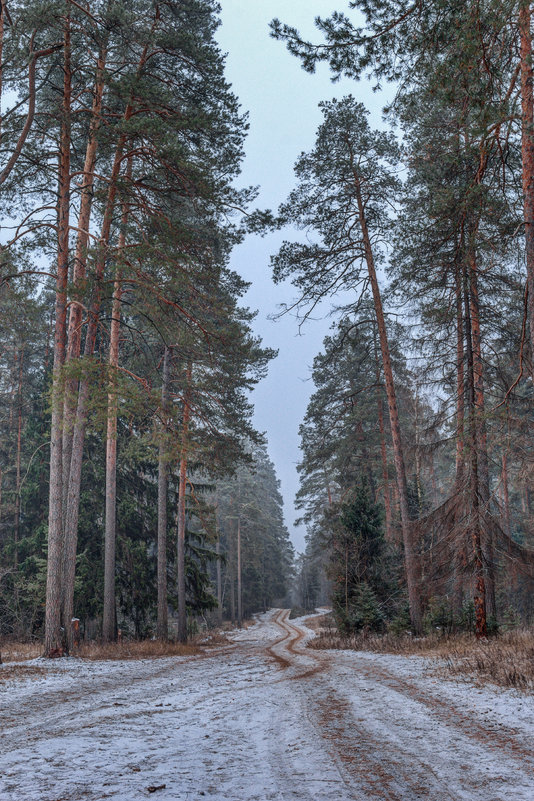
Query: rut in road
{"type": "Point", "coordinates": [264, 718]}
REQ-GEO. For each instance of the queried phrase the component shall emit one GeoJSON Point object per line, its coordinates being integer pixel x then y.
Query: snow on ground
{"type": "Point", "coordinates": [262, 718]}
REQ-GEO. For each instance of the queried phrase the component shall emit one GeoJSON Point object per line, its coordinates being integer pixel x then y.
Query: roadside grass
{"type": "Point", "coordinates": [95, 650]}
{"type": "Point", "coordinates": [14, 651]}
{"type": "Point", "coordinates": [506, 659]}
{"type": "Point", "coordinates": [134, 649]}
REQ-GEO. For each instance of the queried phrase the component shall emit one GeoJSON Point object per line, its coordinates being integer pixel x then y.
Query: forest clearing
{"type": "Point", "coordinates": [262, 718]}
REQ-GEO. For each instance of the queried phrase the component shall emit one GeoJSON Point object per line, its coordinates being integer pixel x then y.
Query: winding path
{"type": "Point", "coordinates": [263, 718]}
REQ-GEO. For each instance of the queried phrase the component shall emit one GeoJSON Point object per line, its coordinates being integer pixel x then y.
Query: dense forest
{"type": "Point", "coordinates": [416, 447]}
{"type": "Point", "coordinates": [135, 494]}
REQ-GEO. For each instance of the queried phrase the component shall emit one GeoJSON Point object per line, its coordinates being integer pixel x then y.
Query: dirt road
{"type": "Point", "coordinates": [263, 718]}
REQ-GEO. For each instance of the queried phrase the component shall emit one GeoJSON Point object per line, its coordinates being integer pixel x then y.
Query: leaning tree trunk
{"type": "Point", "coordinates": [53, 639]}
{"type": "Point", "coordinates": [182, 486]}
{"type": "Point", "coordinates": [162, 622]}
{"type": "Point", "coordinates": [411, 559]}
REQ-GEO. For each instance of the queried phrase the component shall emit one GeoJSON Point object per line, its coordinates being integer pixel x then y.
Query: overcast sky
{"type": "Point", "coordinates": [283, 104]}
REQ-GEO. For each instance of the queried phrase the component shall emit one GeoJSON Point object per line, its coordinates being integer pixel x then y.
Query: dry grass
{"type": "Point", "coordinates": [93, 650]}
{"type": "Point", "coordinates": [319, 623]}
{"type": "Point", "coordinates": [506, 660]}
{"type": "Point", "coordinates": [134, 649]}
{"type": "Point", "coordinates": [380, 643]}
{"type": "Point", "coordinates": [20, 651]}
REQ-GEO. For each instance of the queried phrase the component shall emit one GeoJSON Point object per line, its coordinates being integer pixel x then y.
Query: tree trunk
{"type": "Point", "coordinates": [108, 619]}
{"type": "Point", "coordinates": [239, 587]}
{"type": "Point", "coordinates": [482, 437]}
{"type": "Point", "coordinates": [505, 494]}
{"type": "Point", "coordinates": [219, 577]}
{"type": "Point", "coordinates": [180, 565]}
{"type": "Point", "coordinates": [460, 383]}
{"type": "Point", "coordinates": [80, 269]}
{"type": "Point", "coordinates": [109, 623]}
{"type": "Point", "coordinates": [162, 624]}
{"type": "Point", "coordinates": [80, 420]}
{"type": "Point", "coordinates": [527, 149]}
{"type": "Point", "coordinates": [410, 555]}
{"type": "Point", "coordinates": [16, 526]}
{"type": "Point", "coordinates": [474, 507]}
{"type": "Point", "coordinates": [53, 639]}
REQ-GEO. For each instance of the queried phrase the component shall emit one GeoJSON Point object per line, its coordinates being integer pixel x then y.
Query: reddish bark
{"type": "Point", "coordinates": [80, 268]}
{"type": "Point", "coordinates": [80, 421]}
{"type": "Point", "coordinates": [411, 559]}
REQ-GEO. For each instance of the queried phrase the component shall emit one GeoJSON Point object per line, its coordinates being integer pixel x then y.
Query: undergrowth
{"type": "Point", "coordinates": [506, 660]}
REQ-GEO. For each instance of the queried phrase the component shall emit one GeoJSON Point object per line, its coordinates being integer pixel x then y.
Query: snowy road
{"type": "Point", "coordinates": [261, 719]}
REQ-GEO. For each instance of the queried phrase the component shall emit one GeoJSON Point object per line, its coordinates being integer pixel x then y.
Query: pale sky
{"type": "Point", "coordinates": [283, 103]}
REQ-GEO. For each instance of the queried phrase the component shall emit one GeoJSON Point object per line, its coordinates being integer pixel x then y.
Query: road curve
{"type": "Point", "coordinates": [264, 718]}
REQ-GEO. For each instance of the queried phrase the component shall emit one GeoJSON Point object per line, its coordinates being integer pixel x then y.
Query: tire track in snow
{"type": "Point", "coordinates": [265, 719]}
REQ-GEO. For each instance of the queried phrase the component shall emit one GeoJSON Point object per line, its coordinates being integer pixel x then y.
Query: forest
{"type": "Point", "coordinates": [136, 496]}
{"type": "Point", "coordinates": [416, 470]}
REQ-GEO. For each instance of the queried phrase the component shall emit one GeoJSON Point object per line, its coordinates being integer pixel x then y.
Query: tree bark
{"type": "Point", "coordinates": [527, 149]}
{"type": "Point", "coordinates": [74, 336]}
{"type": "Point", "coordinates": [182, 611]}
{"type": "Point", "coordinates": [53, 639]}
{"type": "Point", "coordinates": [474, 510]}
{"type": "Point", "coordinates": [80, 420]}
{"type": "Point", "coordinates": [482, 436]}
{"type": "Point", "coordinates": [411, 559]}
{"type": "Point", "coordinates": [162, 622]}
{"type": "Point", "coordinates": [239, 587]}
{"type": "Point", "coordinates": [460, 383]}
{"type": "Point", "coordinates": [110, 536]}
{"type": "Point", "coordinates": [18, 464]}
{"type": "Point", "coordinates": [505, 494]}
{"type": "Point", "coordinates": [219, 579]}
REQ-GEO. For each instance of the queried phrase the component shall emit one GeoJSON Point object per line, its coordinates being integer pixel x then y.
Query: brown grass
{"type": "Point", "coordinates": [134, 649]}
{"type": "Point", "coordinates": [20, 651]}
{"type": "Point", "coordinates": [506, 660]}
{"type": "Point", "coordinates": [94, 650]}
{"type": "Point", "coordinates": [319, 623]}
